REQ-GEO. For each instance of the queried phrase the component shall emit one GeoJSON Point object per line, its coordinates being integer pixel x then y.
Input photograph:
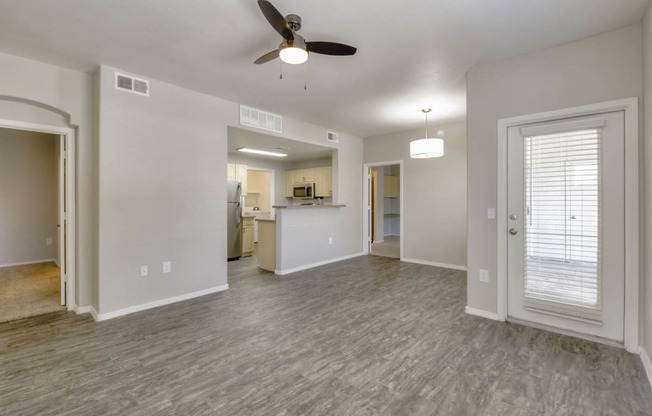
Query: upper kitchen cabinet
{"type": "Point", "coordinates": [324, 182]}
{"type": "Point", "coordinates": [238, 173]}
{"type": "Point", "coordinates": [322, 177]}
{"type": "Point", "coordinates": [391, 187]}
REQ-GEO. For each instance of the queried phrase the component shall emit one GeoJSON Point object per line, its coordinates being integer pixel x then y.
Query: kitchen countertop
{"type": "Point", "coordinates": [308, 206]}
{"type": "Point", "coordinates": [271, 219]}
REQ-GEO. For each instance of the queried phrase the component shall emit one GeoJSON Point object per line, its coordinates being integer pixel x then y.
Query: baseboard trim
{"type": "Point", "coordinates": [378, 241]}
{"type": "Point", "coordinates": [25, 263]}
{"type": "Point", "coordinates": [483, 314]}
{"type": "Point", "coordinates": [646, 364]}
{"type": "Point", "coordinates": [319, 263]}
{"type": "Point", "coordinates": [432, 263]}
{"type": "Point", "coordinates": [85, 309]}
{"type": "Point", "coordinates": [155, 304]}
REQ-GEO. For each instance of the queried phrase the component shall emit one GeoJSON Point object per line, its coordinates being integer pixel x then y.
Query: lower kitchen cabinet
{"type": "Point", "coordinates": [247, 236]}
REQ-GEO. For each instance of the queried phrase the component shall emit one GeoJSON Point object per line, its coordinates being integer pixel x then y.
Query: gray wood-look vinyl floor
{"type": "Point", "coordinates": [391, 247]}
{"type": "Point", "coordinates": [367, 336]}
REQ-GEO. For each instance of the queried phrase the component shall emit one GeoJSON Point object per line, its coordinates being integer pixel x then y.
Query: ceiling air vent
{"type": "Point", "coordinates": [260, 119]}
{"type": "Point", "coordinates": [131, 84]}
{"type": "Point", "coordinates": [332, 137]}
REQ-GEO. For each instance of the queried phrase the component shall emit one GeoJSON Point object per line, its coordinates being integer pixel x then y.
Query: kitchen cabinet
{"type": "Point", "coordinates": [247, 236]}
{"type": "Point", "coordinates": [323, 182]}
{"type": "Point", "coordinates": [391, 186]}
{"type": "Point", "coordinates": [238, 172]}
{"type": "Point", "coordinates": [267, 245]}
{"type": "Point", "coordinates": [322, 177]}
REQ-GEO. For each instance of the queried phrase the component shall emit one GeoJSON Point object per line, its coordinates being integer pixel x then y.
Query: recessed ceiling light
{"type": "Point", "coordinates": [260, 152]}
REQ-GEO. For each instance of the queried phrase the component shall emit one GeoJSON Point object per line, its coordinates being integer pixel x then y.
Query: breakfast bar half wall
{"type": "Point", "coordinates": [302, 237]}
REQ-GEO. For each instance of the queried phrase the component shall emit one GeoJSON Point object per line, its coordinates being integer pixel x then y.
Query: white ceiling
{"type": "Point", "coordinates": [296, 150]}
{"type": "Point", "coordinates": [411, 54]}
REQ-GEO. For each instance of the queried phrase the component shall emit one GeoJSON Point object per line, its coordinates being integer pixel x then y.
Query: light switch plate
{"type": "Point", "coordinates": [491, 213]}
{"type": "Point", "coordinates": [484, 276]}
{"type": "Point", "coordinates": [143, 271]}
{"type": "Point", "coordinates": [167, 266]}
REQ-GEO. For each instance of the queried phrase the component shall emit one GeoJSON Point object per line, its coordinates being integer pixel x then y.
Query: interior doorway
{"type": "Point", "coordinates": [31, 253]}
{"type": "Point", "coordinates": [37, 262]}
{"type": "Point", "coordinates": [384, 209]}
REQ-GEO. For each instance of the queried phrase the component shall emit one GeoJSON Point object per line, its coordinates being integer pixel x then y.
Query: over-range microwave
{"type": "Point", "coordinates": [304, 190]}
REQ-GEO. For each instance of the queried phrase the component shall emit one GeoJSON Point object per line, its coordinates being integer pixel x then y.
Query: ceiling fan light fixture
{"type": "Point", "coordinates": [429, 147]}
{"type": "Point", "coordinates": [293, 55]}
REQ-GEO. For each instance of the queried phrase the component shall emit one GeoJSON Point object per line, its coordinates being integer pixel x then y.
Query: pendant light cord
{"type": "Point", "coordinates": [426, 111]}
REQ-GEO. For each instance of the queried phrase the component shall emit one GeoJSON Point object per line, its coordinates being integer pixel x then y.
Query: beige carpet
{"type": "Point", "coordinates": [391, 247]}
{"type": "Point", "coordinates": [29, 290]}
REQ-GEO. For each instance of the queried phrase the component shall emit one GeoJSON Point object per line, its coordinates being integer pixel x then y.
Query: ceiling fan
{"type": "Point", "coordinates": [294, 49]}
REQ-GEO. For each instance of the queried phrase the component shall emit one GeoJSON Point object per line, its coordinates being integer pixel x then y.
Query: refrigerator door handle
{"type": "Point", "coordinates": [239, 216]}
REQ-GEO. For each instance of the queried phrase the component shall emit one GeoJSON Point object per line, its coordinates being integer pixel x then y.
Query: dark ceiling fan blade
{"type": "Point", "coordinates": [330, 48]}
{"type": "Point", "coordinates": [267, 57]}
{"type": "Point", "coordinates": [276, 19]}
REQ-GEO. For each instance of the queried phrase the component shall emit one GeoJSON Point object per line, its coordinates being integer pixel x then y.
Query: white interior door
{"type": "Point", "coordinates": [62, 216]}
{"type": "Point", "coordinates": [566, 238]}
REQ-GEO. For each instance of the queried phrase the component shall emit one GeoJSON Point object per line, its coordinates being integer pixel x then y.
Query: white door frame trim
{"type": "Point", "coordinates": [271, 185]}
{"type": "Point", "coordinates": [71, 253]}
{"type": "Point", "coordinates": [365, 206]}
{"type": "Point", "coordinates": [630, 107]}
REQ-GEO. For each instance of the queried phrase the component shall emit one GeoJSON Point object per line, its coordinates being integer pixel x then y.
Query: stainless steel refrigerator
{"type": "Point", "coordinates": [234, 220]}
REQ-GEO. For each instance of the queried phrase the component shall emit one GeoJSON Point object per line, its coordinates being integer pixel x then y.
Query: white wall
{"type": "Point", "coordinates": [597, 69]}
{"type": "Point", "coordinates": [36, 92]}
{"type": "Point", "coordinates": [646, 254]}
{"type": "Point", "coordinates": [434, 206]}
{"type": "Point", "coordinates": [29, 188]}
{"type": "Point", "coordinates": [162, 192]}
{"type": "Point", "coordinates": [162, 189]}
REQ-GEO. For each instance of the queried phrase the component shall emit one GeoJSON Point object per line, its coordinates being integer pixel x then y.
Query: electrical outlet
{"type": "Point", "coordinates": [330, 240]}
{"type": "Point", "coordinates": [48, 241]}
{"type": "Point", "coordinates": [491, 213]}
{"type": "Point", "coordinates": [484, 276]}
{"type": "Point", "coordinates": [143, 271]}
{"type": "Point", "coordinates": [167, 266]}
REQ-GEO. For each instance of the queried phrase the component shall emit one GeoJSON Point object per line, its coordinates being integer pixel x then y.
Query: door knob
{"type": "Point", "coordinates": [513, 217]}
{"type": "Point", "coordinates": [512, 231]}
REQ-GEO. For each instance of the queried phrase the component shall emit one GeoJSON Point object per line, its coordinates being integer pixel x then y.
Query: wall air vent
{"type": "Point", "coordinates": [131, 84]}
{"type": "Point", "coordinates": [332, 137]}
{"type": "Point", "coordinates": [252, 117]}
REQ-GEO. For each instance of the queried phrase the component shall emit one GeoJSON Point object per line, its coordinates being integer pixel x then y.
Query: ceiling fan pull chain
{"type": "Point", "coordinates": [280, 69]}
{"type": "Point", "coordinates": [305, 76]}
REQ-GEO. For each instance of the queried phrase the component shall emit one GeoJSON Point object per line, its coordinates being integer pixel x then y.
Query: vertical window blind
{"type": "Point", "coordinates": [562, 188]}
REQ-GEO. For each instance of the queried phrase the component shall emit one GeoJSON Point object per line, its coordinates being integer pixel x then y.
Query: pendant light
{"type": "Point", "coordinates": [429, 147]}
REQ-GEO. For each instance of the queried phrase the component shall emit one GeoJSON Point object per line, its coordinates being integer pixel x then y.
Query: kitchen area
{"type": "Point", "coordinates": [269, 179]}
